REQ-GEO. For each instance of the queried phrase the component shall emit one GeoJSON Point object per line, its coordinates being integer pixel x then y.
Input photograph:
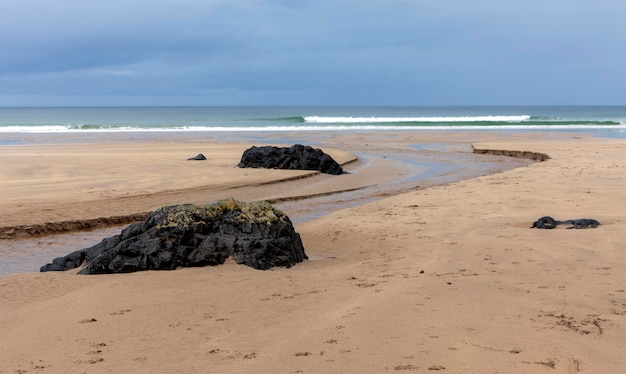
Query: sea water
{"type": "Point", "coordinates": [603, 121]}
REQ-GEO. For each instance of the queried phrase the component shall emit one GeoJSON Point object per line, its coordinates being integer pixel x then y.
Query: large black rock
{"type": "Point", "coordinates": [297, 157]}
{"type": "Point", "coordinates": [254, 234]}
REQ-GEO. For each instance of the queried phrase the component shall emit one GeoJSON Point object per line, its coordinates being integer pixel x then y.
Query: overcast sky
{"type": "Point", "coordinates": [317, 52]}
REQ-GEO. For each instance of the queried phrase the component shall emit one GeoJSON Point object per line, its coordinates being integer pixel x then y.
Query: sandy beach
{"type": "Point", "coordinates": [443, 278]}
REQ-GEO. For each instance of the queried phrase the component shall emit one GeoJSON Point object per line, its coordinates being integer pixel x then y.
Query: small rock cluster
{"type": "Point", "coordinates": [548, 222]}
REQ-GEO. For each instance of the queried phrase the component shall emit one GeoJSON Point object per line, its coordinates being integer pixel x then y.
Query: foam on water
{"type": "Point", "coordinates": [320, 127]}
{"type": "Point", "coordinates": [316, 119]}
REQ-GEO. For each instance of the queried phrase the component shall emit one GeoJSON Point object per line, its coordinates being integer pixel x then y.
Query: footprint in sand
{"type": "Point", "coordinates": [121, 312]}
{"type": "Point", "coordinates": [574, 366]}
{"type": "Point", "coordinates": [405, 367]}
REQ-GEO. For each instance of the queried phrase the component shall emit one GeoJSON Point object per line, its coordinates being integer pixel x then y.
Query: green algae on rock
{"type": "Point", "coordinates": [251, 212]}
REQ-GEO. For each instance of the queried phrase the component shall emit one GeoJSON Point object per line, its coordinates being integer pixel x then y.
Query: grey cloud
{"type": "Point", "coordinates": [373, 51]}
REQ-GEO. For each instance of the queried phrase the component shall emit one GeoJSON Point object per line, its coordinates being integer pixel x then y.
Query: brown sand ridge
{"type": "Point", "coordinates": [446, 279]}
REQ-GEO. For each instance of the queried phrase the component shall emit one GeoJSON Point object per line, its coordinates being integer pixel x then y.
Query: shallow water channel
{"type": "Point", "coordinates": [423, 166]}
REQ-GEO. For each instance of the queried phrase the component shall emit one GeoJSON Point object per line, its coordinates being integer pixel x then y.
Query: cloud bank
{"type": "Point", "coordinates": [273, 52]}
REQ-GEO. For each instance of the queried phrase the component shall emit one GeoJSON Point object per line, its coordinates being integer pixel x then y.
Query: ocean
{"type": "Point", "coordinates": [603, 121]}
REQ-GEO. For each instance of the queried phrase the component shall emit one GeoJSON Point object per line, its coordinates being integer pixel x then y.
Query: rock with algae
{"type": "Point", "coordinates": [254, 234]}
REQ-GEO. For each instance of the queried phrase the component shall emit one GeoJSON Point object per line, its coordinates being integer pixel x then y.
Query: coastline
{"type": "Point", "coordinates": [447, 277]}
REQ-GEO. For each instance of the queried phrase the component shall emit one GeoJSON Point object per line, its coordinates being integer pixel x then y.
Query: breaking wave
{"type": "Point", "coordinates": [509, 119]}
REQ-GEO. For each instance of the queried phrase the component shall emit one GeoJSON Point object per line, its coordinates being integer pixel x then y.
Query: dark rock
{"type": "Point", "coordinates": [199, 157]}
{"type": "Point", "coordinates": [297, 157]}
{"type": "Point", "coordinates": [581, 223]}
{"type": "Point", "coordinates": [550, 223]}
{"type": "Point", "coordinates": [254, 234]}
{"type": "Point", "coordinates": [545, 223]}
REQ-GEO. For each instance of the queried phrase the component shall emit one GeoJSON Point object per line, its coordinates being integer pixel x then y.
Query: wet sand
{"type": "Point", "coordinates": [68, 187]}
{"type": "Point", "coordinates": [446, 278]}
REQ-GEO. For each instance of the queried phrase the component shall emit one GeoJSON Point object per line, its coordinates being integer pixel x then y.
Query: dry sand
{"type": "Point", "coordinates": [64, 182]}
{"type": "Point", "coordinates": [449, 278]}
